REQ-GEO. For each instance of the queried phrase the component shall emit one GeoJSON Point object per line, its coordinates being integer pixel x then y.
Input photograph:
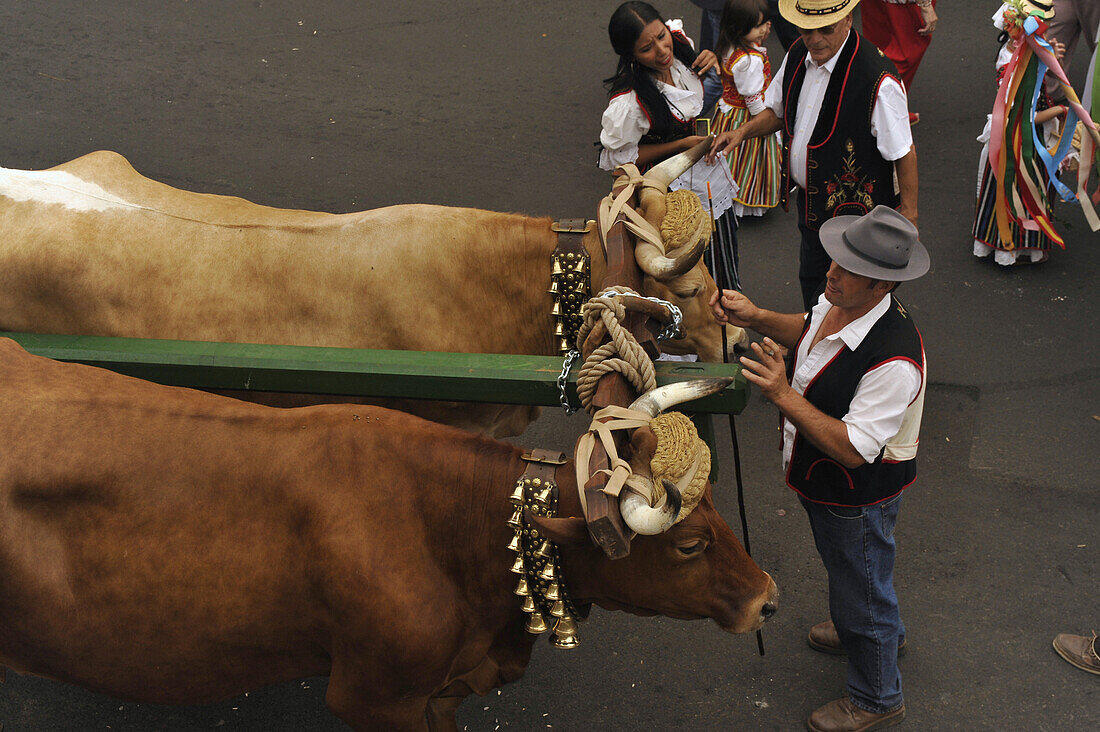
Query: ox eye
{"type": "Point", "coordinates": [689, 294]}
{"type": "Point", "coordinates": [689, 550]}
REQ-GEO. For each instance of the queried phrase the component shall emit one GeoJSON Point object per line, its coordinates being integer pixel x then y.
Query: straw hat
{"type": "Point", "coordinates": [810, 14]}
{"type": "Point", "coordinates": [1042, 8]}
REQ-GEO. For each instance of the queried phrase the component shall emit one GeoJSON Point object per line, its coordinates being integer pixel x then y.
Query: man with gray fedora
{"type": "Point", "coordinates": [850, 398]}
{"type": "Point", "coordinates": [844, 116]}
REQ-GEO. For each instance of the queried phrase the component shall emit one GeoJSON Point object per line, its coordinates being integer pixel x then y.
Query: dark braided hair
{"type": "Point", "coordinates": [626, 26]}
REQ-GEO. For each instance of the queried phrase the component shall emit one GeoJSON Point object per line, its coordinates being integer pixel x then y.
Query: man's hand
{"type": "Point", "coordinates": [909, 213]}
{"type": "Point", "coordinates": [929, 17]}
{"type": "Point", "coordinates": [730, 306]}
{"type": "Point", "coordinates": [723, 141]}
{"type": "Point", "coordinates": [768, 371]}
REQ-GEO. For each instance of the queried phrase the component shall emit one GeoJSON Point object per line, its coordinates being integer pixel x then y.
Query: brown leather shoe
{"type": "Point", "coordinates": [843, 716]}
{"type": "Point", "coordinates": [823, 638]}
{"type": "Point", "coordinates": [1079, 650]}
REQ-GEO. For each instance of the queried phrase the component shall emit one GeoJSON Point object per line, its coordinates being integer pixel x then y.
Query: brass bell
{"type": "Point", "coordinates": [537, 624]}
{"type": "Point", "coordinates": [559, 329]}
{"type": "Point", "coordinates": [553, 287]}
{"type": "Point", "coordinates": [557, 270]}
{"type": "Point", "coordinates": [543, 496]}
{"type": "Point", "coordinates": [517, 494]}
{"type": "Point", "coordinates": [545, 549]}
{"type": "Point", "coordinates": [564, 641]}
{"type": "Point", "coordinates": [514, 544]}
{"type": "Point", "coordinates": [547, 572]}
{"type": "Point", "coordinates": [557, 609]}
{"type": "Point", "coordinates": [521, 587]}
{"type": "Point", "coordinates": [517, 567]}
{"type": "Point", "coordinates": [564, 345]}
{"type": "Point", "coordinates": [566, 625]}
{"type": "Point", "coordinates": [553, 592]}
{"type": "Point", "coordinates": [581, 266]}
{"type": "Point", "coordinates": [529, 605]}
{"type": "Point", "coordinates": [516, 522]}
{"type": "Point", "coordinates": [556, 310]}
{"type": "Point", "coordinates": [565, 633]}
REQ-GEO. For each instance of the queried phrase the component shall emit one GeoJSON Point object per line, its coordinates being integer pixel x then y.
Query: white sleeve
{"type": "Point", "coordinates": [773, 97]}
{"type": "Point", "coordinates": [890, 121]}
{"type": "Point", "coordinates": [748, 75]}
{"type": "Point", "coordinates": [879, 405]}
{"type": "Point", "coordinates": [624, 123]}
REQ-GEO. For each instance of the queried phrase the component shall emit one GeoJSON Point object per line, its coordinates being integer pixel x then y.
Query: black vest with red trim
{"type": "Point", "coordinates": [845, 172]}
{"type": "Point", "coordinates": [819, 477]}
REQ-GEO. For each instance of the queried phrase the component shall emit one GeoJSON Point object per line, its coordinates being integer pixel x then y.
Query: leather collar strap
{"type": "Point", "coordinates": [570, 279]}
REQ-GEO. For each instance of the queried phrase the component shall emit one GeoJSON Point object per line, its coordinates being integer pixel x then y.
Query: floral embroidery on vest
{"type": "Point", "coordinates": [849, 187]}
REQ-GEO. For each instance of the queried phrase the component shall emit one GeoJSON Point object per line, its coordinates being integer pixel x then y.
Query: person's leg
{"type": "Point", "coordinates": [813, 262]}
{"type": "Point", "coordinates": [708, 39]}
{"type": "Point", "coordinates": [857, 548]}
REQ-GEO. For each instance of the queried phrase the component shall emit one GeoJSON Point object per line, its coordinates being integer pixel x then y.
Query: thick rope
{"type": "Point", "coordinates": [681, 457]}
{"type": "Point", "coordinates": [622, 354]}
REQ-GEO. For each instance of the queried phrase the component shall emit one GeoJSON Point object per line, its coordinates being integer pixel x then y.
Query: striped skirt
{"type": "Point", "coordinates": [987, 239]}
{"type": "Point", "coordinates": [754, 165]}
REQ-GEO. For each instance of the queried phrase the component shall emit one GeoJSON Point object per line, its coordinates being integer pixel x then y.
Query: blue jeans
{"type": "Point", "coordinates": [857, 548]}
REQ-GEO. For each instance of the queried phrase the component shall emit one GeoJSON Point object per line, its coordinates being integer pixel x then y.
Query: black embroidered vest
{"type": "Point", "coordinates": [845, 173]}
{"type": "Point", "coordinates": [819, 477]}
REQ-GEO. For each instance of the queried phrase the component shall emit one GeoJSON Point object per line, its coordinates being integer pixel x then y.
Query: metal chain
{"type": "Point", "coordinates": [563, 379]}
{"type": "Point", "coordinates": [673, 329]}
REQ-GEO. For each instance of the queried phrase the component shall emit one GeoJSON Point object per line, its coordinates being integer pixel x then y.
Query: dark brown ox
{"type": "Point", "coordinates": [91, 247]}
{"type": "Point", "coordinates": [172, 546]}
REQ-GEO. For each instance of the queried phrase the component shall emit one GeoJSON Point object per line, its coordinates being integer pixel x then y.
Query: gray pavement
{"type": "Point", "coordinates": [339, 105]}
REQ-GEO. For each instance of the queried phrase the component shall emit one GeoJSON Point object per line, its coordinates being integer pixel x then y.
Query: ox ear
{"type": "Point", "coordinates": [570, 531]}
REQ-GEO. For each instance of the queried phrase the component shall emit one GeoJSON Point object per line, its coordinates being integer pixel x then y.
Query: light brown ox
{"type": "Point", "coordinates": [91, 247]}
{"type": "Point", "coordinates": [173, 546]}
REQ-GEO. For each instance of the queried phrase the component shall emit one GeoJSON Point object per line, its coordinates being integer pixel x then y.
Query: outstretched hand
{"type": "Point", "coordinates": [768, 371]}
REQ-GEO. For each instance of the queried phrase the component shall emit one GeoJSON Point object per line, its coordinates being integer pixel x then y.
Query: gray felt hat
{"type": "Point", "coordinates": [882, 245]}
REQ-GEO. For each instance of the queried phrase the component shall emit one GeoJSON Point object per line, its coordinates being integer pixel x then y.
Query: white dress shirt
{"type": "Point", "coordinates": [889, 118]}
{"type": "Point", "coordinates": [883, 398]}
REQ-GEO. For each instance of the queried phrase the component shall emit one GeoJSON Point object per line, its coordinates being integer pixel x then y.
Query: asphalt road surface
{"type": "Point", "coordinates": [339, 105]}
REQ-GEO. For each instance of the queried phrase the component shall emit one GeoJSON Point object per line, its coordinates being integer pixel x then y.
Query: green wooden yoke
{"type": "Point", "coordinates": [463, 377]}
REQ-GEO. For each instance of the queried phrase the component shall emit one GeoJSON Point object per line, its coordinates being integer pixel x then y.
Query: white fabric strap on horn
{"type": "Point", "coordinates": [619, 475]}
{"type": "Point", "coordinates": [610, 208]}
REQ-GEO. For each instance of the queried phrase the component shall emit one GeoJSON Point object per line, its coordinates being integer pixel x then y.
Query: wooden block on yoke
{"type": "Point", "coordinates": [605, 523]}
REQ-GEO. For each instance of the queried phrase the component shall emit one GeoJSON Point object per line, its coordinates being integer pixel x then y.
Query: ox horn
{"type": "Point", "coordinates": [650, 520]}
{"type": "Point", "coordinates": [659, 266]}
{"type": "Point", "coordinates": [669, 170]}
{"type": "Point", "coordinates": [658, 400]}
{"type": "Point", "coordinates": [636, 512]}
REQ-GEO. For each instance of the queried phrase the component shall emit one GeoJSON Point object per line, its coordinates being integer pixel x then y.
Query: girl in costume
{"type": "Point", "coordinates": [746, 73]}
{"type": "Point", "coordinates": [654, 99]}
{"type": "Point", "coordinates": [1012, 219]}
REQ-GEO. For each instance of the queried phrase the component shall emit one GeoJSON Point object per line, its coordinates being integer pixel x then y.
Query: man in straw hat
{"type": "Point", "coordinates": [845, 122]}
{"type": "Point", "coordinates": [851, 402]}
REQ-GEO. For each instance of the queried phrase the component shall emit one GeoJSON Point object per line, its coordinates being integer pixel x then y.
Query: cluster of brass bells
{"type": "Point", "coordinates": [537, 566]}
{"type": "Point", "coordinates": [570, 284]}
